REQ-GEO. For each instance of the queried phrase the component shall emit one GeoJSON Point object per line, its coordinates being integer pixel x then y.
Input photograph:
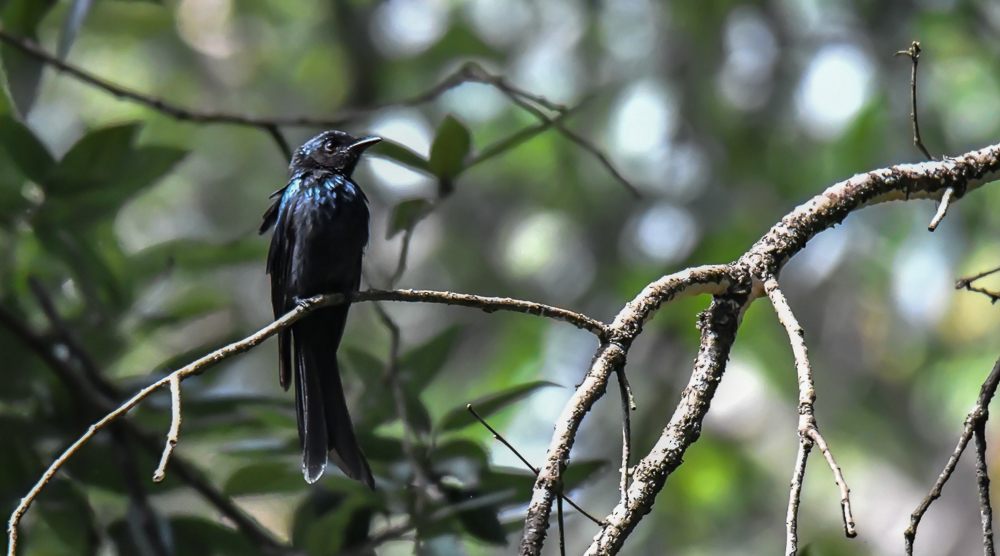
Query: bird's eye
{"type": "Point", "coordinates": [329, 146]}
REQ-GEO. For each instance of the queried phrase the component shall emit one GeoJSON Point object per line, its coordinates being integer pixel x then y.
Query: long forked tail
{"type": "Point", "coordinates": [325, 427]}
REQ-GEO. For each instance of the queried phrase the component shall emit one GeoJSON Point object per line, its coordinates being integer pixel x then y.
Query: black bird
{"type": "Point", "coordinates": [320, 222]}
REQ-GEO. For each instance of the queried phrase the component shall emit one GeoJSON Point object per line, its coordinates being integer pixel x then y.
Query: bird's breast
{"type": "Point", "coordinates": [331, 231]}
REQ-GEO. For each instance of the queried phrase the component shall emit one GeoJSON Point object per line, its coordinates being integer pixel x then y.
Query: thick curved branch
{"type": "Point", "coordinates": [743, 283]}
{"type": "Point", "coordinates": [610, 357]}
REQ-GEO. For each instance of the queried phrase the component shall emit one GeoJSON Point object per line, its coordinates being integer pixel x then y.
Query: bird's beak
{"type": "Point", "coordinates": [361, 144]}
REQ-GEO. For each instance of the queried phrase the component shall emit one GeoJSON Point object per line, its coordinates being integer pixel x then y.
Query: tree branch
{"type": "Point", "coordinates": [744, 284]}
{"type": "Point", "coordinates": [808, 429]}
{"type": "Point", "coordinates": [974, 422]}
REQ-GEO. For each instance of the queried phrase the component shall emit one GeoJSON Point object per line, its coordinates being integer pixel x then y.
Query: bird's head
{"type": "Point", "coordinates": [331, 150]}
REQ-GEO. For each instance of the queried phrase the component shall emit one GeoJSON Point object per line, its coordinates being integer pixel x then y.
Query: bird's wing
{"type": "Point", "coordinates": [279, 263]}
{"type": "Point", "coordinates": [271, 214]}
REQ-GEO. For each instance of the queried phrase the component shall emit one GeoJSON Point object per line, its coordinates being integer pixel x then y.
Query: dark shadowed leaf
{"type": "Point", "coordinates": [194, 536]}
{"type": "Point", "coordinates": [377, 405]}
{"type": "Point", "coordinates": [75, 17]}
{"type": "Point", "coordinates": [329, 521]}
{"type": "Point", "coordinates": [23, 72]}
{"type": "Point", "coordinates": [462, 448]}
{"type": "Point", "coordinates": [12, 202]}
{"type": "Point", "coordinates": [416, 412]}
{"type": "Point", "coordinates": [460, 417]}
{"type": "Point", "coordinates": [421, 364]}
{"type": "Point", "coordinates": [25, 149]}
{"type": "Point", "coordinates": [452, 143]}
{"type": "Point", "coordinates": [193, 255]}
{"type": "Point", "coordinates": [407, 214]}
{"type": "Point", "coordinates": [99, 157]}
{"type": "Point", "coordinates": [400, 154]}
{"type": "Point", "coordinates": [483, 522]}
{"type": "Point", "coordinates": [265, 478]}
{"type": "Point", "coordinates": [19, 464]}
{"type": "Point", "coordinates": [498, 480]}
{"type": "Point", "coordinates": [69, 516]}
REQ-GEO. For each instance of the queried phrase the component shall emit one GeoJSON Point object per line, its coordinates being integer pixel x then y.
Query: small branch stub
{"type": "Point", "coordinates": [175, 427]}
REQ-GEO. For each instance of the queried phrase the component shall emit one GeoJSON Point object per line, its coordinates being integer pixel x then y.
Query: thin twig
{"type": "Point", "coordinates": [983, 484]}
{"type": "Point", "coordinates": [270, 125]}
{"type": "Point", "coordinates": [838, 476]}
{"type": "Point", "coordinates": [807, 429]}
{"type": "Point", "coordinates": [914, 54]}
{"type": "Point", "coordinates": [628, 405]}
{"type": "Point", "coordinates": [942, 209]}
{"type": "Point", "coordinates": [526, 463]}
{"type": "Point", "coordinates": [95, 385]}
{"type": "Point", "coordinates": [175, 428]}
{"type": "Point", "coordinates": [94, 396]}
{"type": "Point", "coordinates": [524, 101]}
{"type": "Point", "coordinates": [977, 417]}
{"type": "Point", "coordinates": [966, 283]}
{"type": "Point", "coordinates": [794, 497]}
{"type": "Point", "coordinates": [562, 526]}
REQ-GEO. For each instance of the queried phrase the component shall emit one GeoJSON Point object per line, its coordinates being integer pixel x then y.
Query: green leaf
{"type": "Point", "coordinates": [405, 215]}
{"type": "Point", "coordinates": [12, 202]}
{"type": "Point", "coordinates": [328, 522]}
{"type": "Point", "coordinates": [422, 363]}
{"type": "Point", "coordinates": [194, 536]}
{"type": "Point", "coordinates": [193, 255]}
{"type": "Point", "coordinates": [460, 417]}
{"type": "Point", "coordinates": [70, 517]}
{"type": "Point", "coordinates": [368, 368]}
{"type": "Point", "coordinates": [462, 448]}
{"type": "Point", "coordinates": [264, 478]}
{"type": "Point", "coordinates": [452, 143]}
{"type": "Point", "coordinates": [96, 159]}
{"type": "Point", "coordinates": [377, 405]}
{"type": "Point", "coordinates": [483, 522]}
{"type": "Point", "coordinates": [23, 72]}
{"type": "Point", "coordinates": [400, 154]}
{"type": "Point", "coordinates": [497, 480]}
{"type": "Point", "coordinates": [25, 149]}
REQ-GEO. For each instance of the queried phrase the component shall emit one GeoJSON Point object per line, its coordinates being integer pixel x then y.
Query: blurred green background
{"type": "Point", "coordinates": [725, 115]}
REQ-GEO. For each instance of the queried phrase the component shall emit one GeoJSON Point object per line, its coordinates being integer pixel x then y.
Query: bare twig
{"type": "Point", "coordinates": [974, 421]}
{"type": "Point", "coordinates": [524, 101]}
{"type": "Point", "coordinates": [175, 427]}
{"type": "Point", "coordinates": [838, 477]}
{"type": "Point", "coordinates": [270, 125]}
{"type": "Point", "coordinates": [966, 283]}
{"type": "Point", "coordinates": [914, 54]}
{"type": "Point", "coordinates": [983, 484]}
{"type": "Point", "coordinates": [93, 396]}
{"type": "Point", "coordinates": [808, 430]}
{"type": "Point", "coordinates": [628, 405]}
{"type": "Point", "coordinates": [562, 526]}
{"type": "Point", "coordinates": [526, 463]}
{"type": "Point", "coordinates": [794, 497]}
{"type": "Point", "coordinates": [94, 385]}
{"type": "Point", "coordinates": [942, 209]}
